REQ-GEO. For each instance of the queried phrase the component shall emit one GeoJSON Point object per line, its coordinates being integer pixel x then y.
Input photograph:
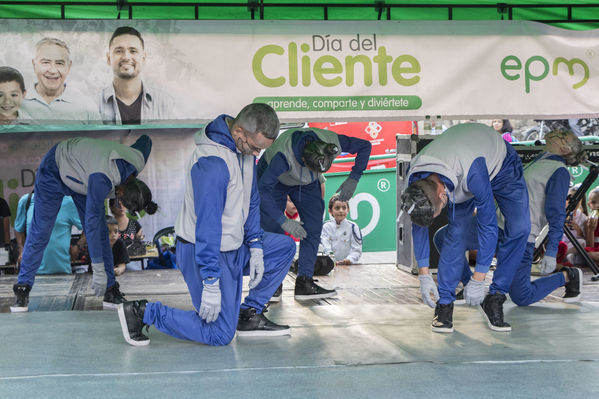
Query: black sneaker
{"type": "Point", "coordinates": [131, 316]}
{"type": "Point", "coordinates": [251, 324]}
{"type": "Point", "coordinates": [113, 297]}
{"type": "Point", "coordinates": [21, 302]}
{"type": "Point", "coordinates": [492, 310]}
{"type": "Point", "coordinates": [459, 298]}
{"type": "Point", "coordinates": [574, 285]}
{"type": "Point", "coordinates": [306, 289]}
{"type": "Point", "coordinates": [276, 297]}
{"type": "Point", "coordinates": [443, 320]}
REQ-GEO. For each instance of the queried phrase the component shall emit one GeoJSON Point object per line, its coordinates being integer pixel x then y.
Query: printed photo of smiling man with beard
{"type": "Point", "coordinates": [129, 101]}
{"type": "Point", "coordinates": [51, 99]}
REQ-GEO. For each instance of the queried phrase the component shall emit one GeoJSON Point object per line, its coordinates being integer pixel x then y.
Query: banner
{"type": "Point", "coordinates": [192, 71]}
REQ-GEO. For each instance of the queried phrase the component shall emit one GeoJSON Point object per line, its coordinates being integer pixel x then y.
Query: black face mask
{"type": "Point", "coordinates": [319, 156]}
{"type": "Point", "coordinates": [415, 203]}
{"type": "Point", "coordinates": [136, 197]}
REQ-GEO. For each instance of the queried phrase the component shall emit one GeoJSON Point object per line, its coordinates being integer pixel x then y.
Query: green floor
{"type": "Point", "coordinates": [373, 342]}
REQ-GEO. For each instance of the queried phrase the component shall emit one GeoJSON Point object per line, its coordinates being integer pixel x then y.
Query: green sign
{"type": "Point", "coordinates": [372, 208]}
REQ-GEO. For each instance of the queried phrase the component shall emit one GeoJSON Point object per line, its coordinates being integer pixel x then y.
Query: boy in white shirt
{"type": "Point", "coordinates": [340, 236]}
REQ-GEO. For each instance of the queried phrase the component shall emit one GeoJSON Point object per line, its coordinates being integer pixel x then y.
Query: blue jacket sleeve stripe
{"type": "Point", "coordinates": [269, 179]}
{"type": "Point", "coordinates": [421, 245]}
{"type": "Point", "coordinates": [362, 150]}
{"type": "Point", "coordinates": [209, 178]}
{"type": "Point", "coordinates": [480, 186]}
{"type": "Point", "coordinates": [252, 229]}
{"type": "Point", "coordinates": [556, 192]}
{"type": "Point", "coordinates": [99, 187]}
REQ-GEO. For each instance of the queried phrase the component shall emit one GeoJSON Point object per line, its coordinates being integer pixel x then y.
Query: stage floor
{"type": "Point", "coordinates": [372, 341]}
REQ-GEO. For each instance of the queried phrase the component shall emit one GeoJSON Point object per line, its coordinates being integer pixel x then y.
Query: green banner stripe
{"type": "Point", "coordinates": [341, 103]}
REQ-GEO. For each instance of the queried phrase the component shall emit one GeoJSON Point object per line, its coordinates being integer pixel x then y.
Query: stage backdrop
{"type": "Point", "coordinates": [332, 70]}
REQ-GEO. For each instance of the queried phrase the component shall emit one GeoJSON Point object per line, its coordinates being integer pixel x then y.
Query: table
{"type": "Point", "coordinates": [150, 253]}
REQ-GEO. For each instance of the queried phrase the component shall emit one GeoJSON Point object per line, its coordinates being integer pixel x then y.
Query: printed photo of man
{"type": "Point", "coordinates": [50, 98]}
{"type": "Point", "coordinates": [128, 100]}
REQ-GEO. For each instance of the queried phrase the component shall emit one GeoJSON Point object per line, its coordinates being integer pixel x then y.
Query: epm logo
{"type": "Point", "coordinates": [536, 68]}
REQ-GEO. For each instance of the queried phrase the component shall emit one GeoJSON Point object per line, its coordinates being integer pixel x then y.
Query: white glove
{"type": "Point", "coordinates": [547, 264]}
{"type": "Point", "coordinates": [294, 228]}
{"type": "Point", "coordinates": [99, 279]}
{"type": "Point", "coordinates": [256, 267]}
{"type": "Point", "coordinates": [474, 292]}
{"type": "Point", "coordinates": [428, 287]}
{"type": "Point", "coordinates": [211, 299]}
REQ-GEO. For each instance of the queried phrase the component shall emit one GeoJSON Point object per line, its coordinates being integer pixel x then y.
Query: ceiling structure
{"type": "Point", "coordinates": [570, 14]}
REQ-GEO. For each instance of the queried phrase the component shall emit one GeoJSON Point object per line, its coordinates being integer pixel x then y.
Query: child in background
{"type": "Point", "coordinates": [339, 236]}
{"type": "Point", "coordinates": [119, 249]}
{"type": "Point", "coordinates": [590, 229]}
{"type": "Point", "coordinates": [575, 221]}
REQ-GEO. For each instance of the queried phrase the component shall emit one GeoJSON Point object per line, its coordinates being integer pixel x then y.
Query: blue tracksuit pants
{"type": "Point", "coordinates": [49, 192]}
{"type": "Point", "coordinates": [511, 195]}
{"type": "Point", "coordinates": [522, 291]}
{"type": "Point", "coordinates": [278, 252]}
{"type": "Point", "coordinates": [471, 243]}
{"type": "Point", "coordinates": [310, 207]}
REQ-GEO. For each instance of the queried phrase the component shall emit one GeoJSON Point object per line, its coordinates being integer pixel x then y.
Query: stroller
{"type": "Point", "coordinates": [165, 244]}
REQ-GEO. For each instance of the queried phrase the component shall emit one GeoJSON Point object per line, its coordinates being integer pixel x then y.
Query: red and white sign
{"type": "Point", "coordinates": [380, 134]}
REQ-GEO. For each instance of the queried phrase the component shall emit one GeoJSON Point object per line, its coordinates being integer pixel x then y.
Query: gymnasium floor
{"type": "Point", "coordinates": [372, 341]}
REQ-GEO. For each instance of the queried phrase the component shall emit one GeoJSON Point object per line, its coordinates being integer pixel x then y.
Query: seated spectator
{"type": "Point", "coordinates": [119, 250]}
{"type": "Point", "coordinates": [340, 237]}
{"type": "Point", "coordinates": [57, 255]}
{"type": "Point", "coordinates": [591, 229]}
{"type": "Point", "coordinates": [4, 223]}
{"type": "Point", "coordinates": [575, 222]}
{"type": "Point", "coordinates": [12, 92]}
{"type": "Point", "coordinates": [129, 229]}
{"type": "Point", "coordinates": [504, 128]}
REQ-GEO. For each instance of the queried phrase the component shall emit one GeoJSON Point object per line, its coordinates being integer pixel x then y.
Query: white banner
{"type": "Point", "coordinates": [331, 71]}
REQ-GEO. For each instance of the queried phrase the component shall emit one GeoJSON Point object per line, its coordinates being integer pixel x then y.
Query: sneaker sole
{"type": "Point", "coordinates": [442, 329]}
{"type": "Point", "coordinates": [264, 333]}
{"type": "Point", "coordinates": [125, 329]}
{"type": "Point", "coordinates": [574, 298]}
{"type": "Point", "coordinates": [275, 299]}
{"type": "Point", "coordinates": [491, 326]}
{"type": "Point", "coordinates": [316, 296]}
{"type": "Point", "coordinates": [110, 306]}
{"type": "Point", "coordinates": [14, 309]}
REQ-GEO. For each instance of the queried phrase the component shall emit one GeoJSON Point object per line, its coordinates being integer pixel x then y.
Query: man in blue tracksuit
{"type": "Point", "coordinates": [293, 166]}
{"type": "Point", "coordinates": [470, 166]}
{"type": "Point", "coordinates": [89, 170]}
{"type": "Point", "coordinates": [547, 179]}
{"type": "Point", "coordinates": [219, 239]}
